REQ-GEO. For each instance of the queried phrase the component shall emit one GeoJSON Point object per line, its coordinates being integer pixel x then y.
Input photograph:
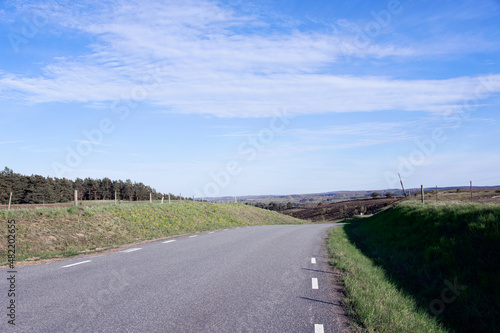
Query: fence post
{"type": "Point", "coordinates": [115, 197]}
{"type": "Point", "coordinates": [471, 190]}
{"type": "Point", "coordinates": [169, 198]}
{"type": "Point", "coordinates": [162, 199]}
{"type": "Point", "coordinates": [76, 197]}
{"type": "Point", "coordinates": [436, 193]}
{"type": "Point", "coordinates": [150, 198]}
{"type": "Point", "coordinates": [422, 192]}
{"type": "Point", "coordinates": [10, 200]}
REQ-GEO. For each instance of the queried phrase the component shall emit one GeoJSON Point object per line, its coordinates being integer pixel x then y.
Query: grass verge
{"type": "Point", "coordinates": [58, 232]}
{"type": "Point", "coordinates": [422, 268]}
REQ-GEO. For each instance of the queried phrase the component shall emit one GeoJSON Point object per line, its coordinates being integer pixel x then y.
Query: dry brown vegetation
{"type": "Point", "coordinates": [340, 210]}
{"type": "Point", "coordinates": [347, 209]}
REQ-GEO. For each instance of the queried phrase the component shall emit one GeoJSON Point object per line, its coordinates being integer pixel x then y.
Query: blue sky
{"type": "Point", "coordinates": [280, 97]}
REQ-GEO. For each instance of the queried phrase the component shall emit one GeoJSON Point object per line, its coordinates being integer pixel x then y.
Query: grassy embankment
{"type": "Point", "coordinates": [422, 268]}
{"type": "Point", "coordinates": [54, 232]}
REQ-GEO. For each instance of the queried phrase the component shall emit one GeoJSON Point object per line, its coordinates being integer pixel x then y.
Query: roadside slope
{"type": "Point", "coordinates": [441, 258]}
{"type": "Point", "coordinates": [53, 232]}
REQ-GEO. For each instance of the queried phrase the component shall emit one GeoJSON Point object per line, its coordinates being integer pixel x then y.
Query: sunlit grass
{"type": "Point", "coordinates": [52, 232]}
{"type": "Point", "coordinates": [412, 254]}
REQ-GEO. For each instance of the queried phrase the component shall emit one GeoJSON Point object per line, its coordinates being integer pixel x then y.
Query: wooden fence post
{"type": "Point", "coordinates": [471, 190]}
{"type": "Point", "coordinates": [422, 192]}
{"type": "Point", "coordinates": [76, 197]}
{"type": "Point", "coordinates": [10, 200]}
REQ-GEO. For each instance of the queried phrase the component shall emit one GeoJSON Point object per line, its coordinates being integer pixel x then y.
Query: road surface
{"type": "Point", "coordinates": [249, 279]}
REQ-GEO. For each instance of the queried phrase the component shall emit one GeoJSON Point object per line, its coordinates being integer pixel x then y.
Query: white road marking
{"type": "Point", "coordinates": [169, 241]}
{"type": "Point", "coordinates": [315, 283]}
{"type": "Point", "coordinates": [132, 249]}
{"type": "Point", "coordinates": [318, 328]}
{"type": "Point", "coordinates": [78, 263]}
{"type": "Point", "coordinates": [193, 236]}
{"type": "Point", "coordinates": [313, 260]}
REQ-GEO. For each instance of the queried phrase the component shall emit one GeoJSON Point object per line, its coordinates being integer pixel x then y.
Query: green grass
{"type": "Point", "coordinates": [58, 232]}
{"type": "Point", "coordinates": [399, 266]}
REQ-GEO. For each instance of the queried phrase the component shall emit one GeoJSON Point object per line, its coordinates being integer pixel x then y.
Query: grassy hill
{"type": "Point", "coordinates": [431, 267]}
{"type": "Point", "coordinates": [52, 232]}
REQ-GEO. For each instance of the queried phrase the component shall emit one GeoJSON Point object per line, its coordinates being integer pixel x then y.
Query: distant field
{"type": "Point", "coordinates": [340, 210]}
{"type": "Point", "coordinates": [347, 209]}
{"type": "Point", "coordinates": [61, 231]}
{"type": "Point", "coordinates": [490, 195]}
{"type": "Point", "coordinates": [422, 268]}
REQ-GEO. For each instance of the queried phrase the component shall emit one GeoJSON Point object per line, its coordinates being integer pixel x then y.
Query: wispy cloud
{"type": "Point", "coordinates": [210, 60]}
{"type": "Point", "coordinates": [358, 129]}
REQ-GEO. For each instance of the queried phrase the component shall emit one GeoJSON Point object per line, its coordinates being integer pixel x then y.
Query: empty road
{"type": "Point", "coordinates": [249, 279]}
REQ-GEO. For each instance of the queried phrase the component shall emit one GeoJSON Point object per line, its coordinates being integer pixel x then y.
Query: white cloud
{"type": "Point", "coordinates": [209, 60]}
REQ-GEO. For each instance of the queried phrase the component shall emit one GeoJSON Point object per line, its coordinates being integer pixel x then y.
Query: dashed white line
{"type": "Point", "coordinates": [169, 241]}
{"type": "Point", "coordinates": [193, 236]}
{"type": "Point", "coordinates": [318, 328]}
{"type": "Point", "coordinates": [78, 263]}
{"type": "Point", "coordinates": [315, 283]}
{"type": "Point", "coordinates": [132, 250]}
{"type": "Point", "coordinates": [313, 260]}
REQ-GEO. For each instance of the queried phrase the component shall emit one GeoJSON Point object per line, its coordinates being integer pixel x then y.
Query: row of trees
{"type": "Point", "coordinates": [274, 206]}
{"type": "Point", "coordinates": [37, 189]}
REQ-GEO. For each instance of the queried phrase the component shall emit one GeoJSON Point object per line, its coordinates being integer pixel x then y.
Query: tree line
{"type": "Point", "coordinates": [36, 189]}
{"type": "Point", "coordinates": [273, 206]}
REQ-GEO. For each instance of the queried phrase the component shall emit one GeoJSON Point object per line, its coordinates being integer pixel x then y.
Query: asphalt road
{"type": "Point", "coordinates": [250, 279]}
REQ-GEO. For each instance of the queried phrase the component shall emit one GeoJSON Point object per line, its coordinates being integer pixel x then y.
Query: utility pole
{"type": "Point", "coordinates": [401, 181]}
